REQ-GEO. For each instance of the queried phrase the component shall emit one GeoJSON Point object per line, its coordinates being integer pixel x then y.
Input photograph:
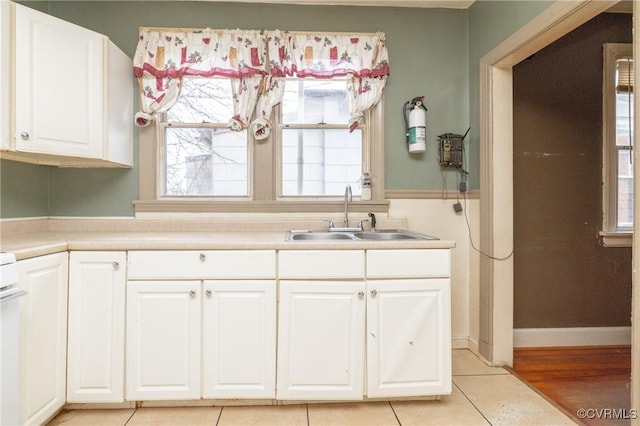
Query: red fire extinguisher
{"type": "Point", "coordinates": [416, 124]}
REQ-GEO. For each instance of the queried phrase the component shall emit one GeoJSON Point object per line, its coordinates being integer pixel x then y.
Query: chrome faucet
{"type": "Point", "coordinates": [348, 197]}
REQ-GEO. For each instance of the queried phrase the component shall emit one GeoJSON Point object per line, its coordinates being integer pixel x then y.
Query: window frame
{"type": "Point", "coordinates": [263, 175]}
{"type": "Point", "coordinates": [612, 235]}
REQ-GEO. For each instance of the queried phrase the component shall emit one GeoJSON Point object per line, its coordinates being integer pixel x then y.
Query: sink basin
{"type": "Point", "coordinates": [317, 235]}
{"type": "Point", "coordinates": [392, 236]}
{"type": "Point", "coordinates": [380, 235]}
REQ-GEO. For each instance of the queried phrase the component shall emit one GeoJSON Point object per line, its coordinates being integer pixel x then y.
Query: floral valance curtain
{"type": "Point", "coordinates": [257, 62]}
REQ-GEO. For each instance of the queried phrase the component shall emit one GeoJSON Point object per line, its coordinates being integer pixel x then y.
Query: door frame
{"type": "Point", "coordinates": [496, 177]}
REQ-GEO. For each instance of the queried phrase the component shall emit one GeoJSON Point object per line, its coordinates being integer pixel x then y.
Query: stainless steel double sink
{"type": "Point", "coordinates": [377, 235]}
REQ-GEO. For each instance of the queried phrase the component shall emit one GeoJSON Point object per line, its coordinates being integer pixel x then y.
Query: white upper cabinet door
{"type": "Point", "coordinates": [59, 86]}
{"type": "Point", "coordinates": [5, 78]}
{"type": "Point", "coordinates": [321, 340]}
{"type": "Point", "coordinates": [95, 371]}
{"type": "Point", "coordinates": [408, 338]}
{"type": "Point", "coordinates": [239, 339]}
{"type": "Point", "coordinates": [43, 336]}
{"type": "Point", "coordinates": [163, 340]}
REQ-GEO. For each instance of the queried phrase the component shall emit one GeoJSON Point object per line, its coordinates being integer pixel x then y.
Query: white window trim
{"type": "Point", "coordinates": [611, 235]}
{"type": "Point", "coordinates": [264, 194]}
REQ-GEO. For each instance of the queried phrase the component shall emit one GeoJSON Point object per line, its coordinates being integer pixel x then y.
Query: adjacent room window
{"type": "Point", "coordinates": [618, 100]}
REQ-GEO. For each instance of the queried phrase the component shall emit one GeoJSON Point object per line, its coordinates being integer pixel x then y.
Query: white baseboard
{"type": "Point", "coordinates": [573, 336]}
{"type": "Point", "coordinates": [459, 342]}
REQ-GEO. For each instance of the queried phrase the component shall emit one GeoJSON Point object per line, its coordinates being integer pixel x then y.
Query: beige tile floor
{"type": "Point", "coordinates": [481, 395]}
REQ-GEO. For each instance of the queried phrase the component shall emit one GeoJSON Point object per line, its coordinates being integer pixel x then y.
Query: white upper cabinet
{"type": "Point", "coordinates": [73, 100]}
{"type": "Point", "coordinates": [5, 94]}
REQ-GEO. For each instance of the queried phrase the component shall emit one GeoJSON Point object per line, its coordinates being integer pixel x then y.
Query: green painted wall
{"type": "Point", "coordinates": [429, 51]}
{"type": "Point", "coordinates": [25, 190]}
{"type": "Point", "coordinates": [490, 23]}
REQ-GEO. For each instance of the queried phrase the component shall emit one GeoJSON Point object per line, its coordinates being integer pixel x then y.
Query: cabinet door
{"type": "Point", "coordinates": [43, 336]}
{"type": "Point", "coordinates": [58, 86]}
{"type": "Point", "coordinates": [163, 340]}
{"type": "Point", "coordinates": [95, 370]}
{"type": "Point", "coordinates": [5, 79]}
{"type": "Point", "coordinates": [321, 340]}
{"type": "Point", "coordinates": [239, 339]}
{"type": "Point", "coordinates": [408, 337]}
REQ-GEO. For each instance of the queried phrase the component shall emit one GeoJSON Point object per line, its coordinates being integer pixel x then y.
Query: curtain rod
{"type": "Point", "coordinates": [332, 33]}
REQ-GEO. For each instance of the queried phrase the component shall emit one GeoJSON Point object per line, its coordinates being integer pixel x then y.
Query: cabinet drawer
{"type": "Point", "coordinates": [204, 264]}
{"type": "Point", "coordinates": [408, 263]}
{"type": "Point", "coordinates": [321, 264]}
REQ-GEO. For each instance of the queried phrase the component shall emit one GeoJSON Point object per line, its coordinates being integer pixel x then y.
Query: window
{"type": "Point", "coordinates": [618, 144]}
{"type": "Point", "coordinates": [200, 156]}
{"type": "Point", "coordinates": [259, 121]}
{"type": "Point", "coordinates": [318, 156]}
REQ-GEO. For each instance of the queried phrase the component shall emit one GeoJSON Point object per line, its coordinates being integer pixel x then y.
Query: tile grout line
{"type": "Point", "coordinates": [131, 416]}
{"type": "Point", "coordinates": [394, 413]}
{"type": "Point", "coordinates": [219, 415]}
{"type": "Point", "coordinates": [472, 403]}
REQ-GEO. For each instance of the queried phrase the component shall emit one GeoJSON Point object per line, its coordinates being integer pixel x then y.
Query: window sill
{"type": "Point", "coordinates": [616, 239]}
{"type": "Point", "coordinates": [202, 206]}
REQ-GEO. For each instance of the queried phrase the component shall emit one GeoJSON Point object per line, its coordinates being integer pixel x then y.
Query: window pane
{"type": "Point", "coordinates": [312, 101]}
{"type": "Point", "coordinates": [203, 100]}
{"type": "Point", "coordinates": [624, 141]}
{"type": "Point", "coordinates": [624, 119]}
{"type": "Point", "coordinates": [318, 162]}
{"type": "Point", "coordinates": [206, 161]}
{"type": "Point", "coordinates": [625, 190]}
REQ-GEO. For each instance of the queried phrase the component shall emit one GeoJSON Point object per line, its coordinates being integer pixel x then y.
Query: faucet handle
{"type": "Point", "coordinates": [331, 224]}
{"type": "Point", "coordinates": [361, 224]}
{"type": "Point", "coordinates": [373, 221]}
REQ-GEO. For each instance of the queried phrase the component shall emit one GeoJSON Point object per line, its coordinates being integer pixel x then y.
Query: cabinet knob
{"type": "Point", "coordinates": [203, 257]}
{"type": "Point", "coordinates": [373, 293]}
{"type": "Point", "coordinates": [192, 293]}
{"type": "Point", "coordinates": [361, 294]}
{"type": "Point", "coordinates": [116, 265]}
{"type": "Point", "coordinates": [208, 293]}
{"type": "Point", "coordinates": [24, 136]}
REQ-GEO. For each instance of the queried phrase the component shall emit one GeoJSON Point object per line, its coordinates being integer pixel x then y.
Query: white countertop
{"type": "Point", "coordinates": [30, 244]}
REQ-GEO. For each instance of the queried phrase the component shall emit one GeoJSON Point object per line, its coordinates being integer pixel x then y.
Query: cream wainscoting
{"type": "Point", "coordinates": [437, 217]}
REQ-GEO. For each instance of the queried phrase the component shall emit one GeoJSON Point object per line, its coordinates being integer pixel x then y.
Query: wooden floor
{"type": "Point", "coordinates": [575, 378]}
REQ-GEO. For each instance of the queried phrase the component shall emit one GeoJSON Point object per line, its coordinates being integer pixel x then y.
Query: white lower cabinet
{"type": "Point", "coordinates": [239, 339]}
{"type": "Point", "coordinates": [213, 337]}
{"type": "Point", "coordinates": [321, 340]}
{"type": "Point", "coordinates": [377, 325]}
{"type": "Point", "coordinates": [43, 336]}
{"type": "Point", "coordinates": [95, 366]}
{"type": "Point", "coordinates": [322, 328]}
{"type": "Point", "coordinates": [408, 338]}
{"type": "Point", "coordinates": [163, 340]}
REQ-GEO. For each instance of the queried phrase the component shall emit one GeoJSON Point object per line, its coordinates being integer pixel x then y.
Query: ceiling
{"type": "Point", "coordinates": [450, 4]}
